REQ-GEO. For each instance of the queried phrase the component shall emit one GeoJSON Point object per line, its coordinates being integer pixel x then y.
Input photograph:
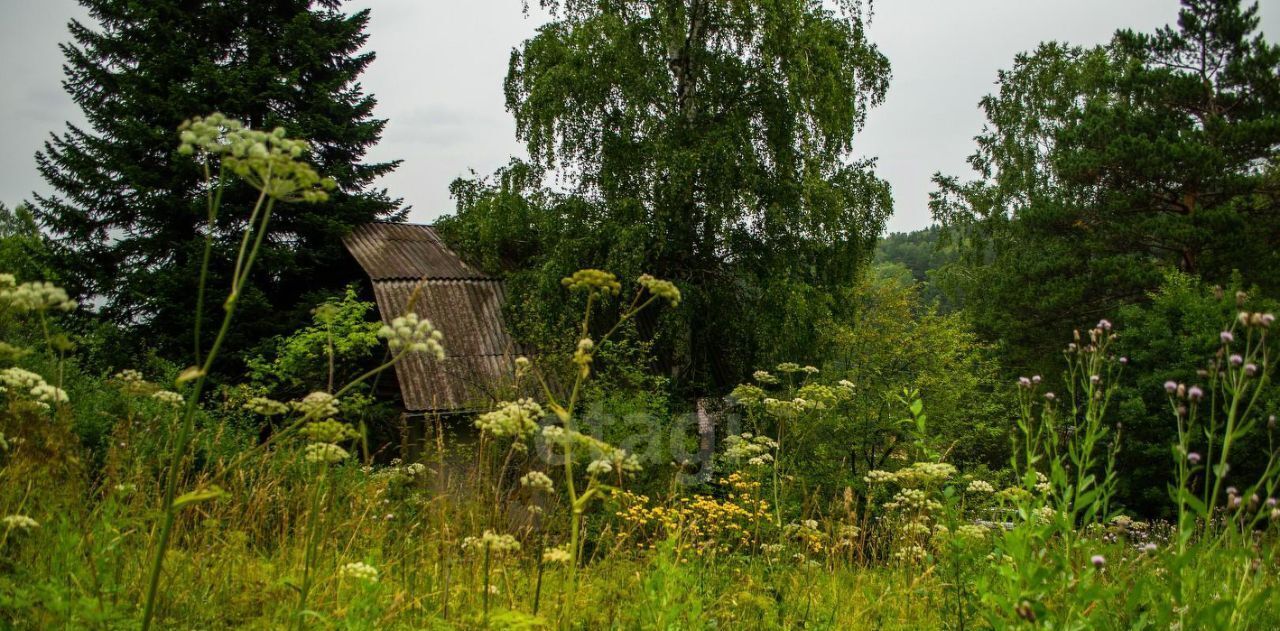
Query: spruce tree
{"type": "Point", "coordinates": [129, 215]}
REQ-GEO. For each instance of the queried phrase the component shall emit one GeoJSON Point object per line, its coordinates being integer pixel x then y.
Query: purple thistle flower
{"type": "Point", "coordinates": [1104, 324]}
{"type": "Point", "coordinates": [1124, 361]}
{"type": "Point", "coordinates": [1095, 379]}
{"type": "Point", "coordinates": [1235, 359]}
{"type": "Point", "coordinates": [1195, 393]}
{"type": "Point", "coordinates": [1149, 547]}
{"type": "Point", "coordinates": [1170, 386]}
{"type": "Point", "coordinates": [1193, 458]}
{"type": "Point", "coordinates": [1267, 319]}
{"type": "Point", "coordinates": [1049, 396]}
{"type": "Point", "coordinates": [1098, 561]}
{"type": "Point", "coordinates": [1226, 337]}
{"type": "Point", "coordinates": [1023, 382]}
{"type": "Point", "coordinates": [1035, 379]}
{"type": "Point", "coordinates": [1251, 370]}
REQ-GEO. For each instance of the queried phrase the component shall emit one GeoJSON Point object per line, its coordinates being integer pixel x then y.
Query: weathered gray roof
{"type": "Point", "coordinates": [405, 250]}
{"type": "Point", "coordinates": [408, 263]}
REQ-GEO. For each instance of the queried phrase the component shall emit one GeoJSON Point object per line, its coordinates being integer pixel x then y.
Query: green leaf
{"type": "Point", "coordinates": [212, 492]}
{"type": "Point", "coordinates": [1193, 501]}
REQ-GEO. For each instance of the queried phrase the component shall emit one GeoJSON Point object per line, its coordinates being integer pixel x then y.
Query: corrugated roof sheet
{"type": "Point", "coordinates": [403, 250]}
{"type": "Point", "coordinates": [404, 259]}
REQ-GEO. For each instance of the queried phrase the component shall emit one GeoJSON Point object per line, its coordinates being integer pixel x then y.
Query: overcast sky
{"type": "Point", "coordinates": [438, 79]}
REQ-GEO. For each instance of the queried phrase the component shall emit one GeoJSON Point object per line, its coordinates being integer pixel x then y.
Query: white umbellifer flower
{"type": "Point", "coordinates": [972, 531]}
{"type": "Point", "coordinates": [268, 160]}
{"type": "Point", "coordinates": [359, 570]}
{"type": "Point", "coordinates": [20, 379]}
{"type": "Point", "coordinates": [492, 542]}
{"type": "Point", "coordinates": [168, 397]}
{"type": "Point", "coordinates": [556, 555]}
{"type": "Point", "coordinates": [812, 370]}
{"type": "Point", "coordinates": [913, 500]}
{"type": "Point", "coordinates": [599, 467]}
{"type": "Point", "coordinates": [980, 486]}
{"type": "Point", "coordinates": [129, 375]}
{"type": "Point", "coordinates": [537, 481]}
{"type": "Point", "coordinates": [763, 376]}
{"type": "Point", "coordinates": [925, 473]}
{"type": "Point", "coordinates": [517, 419]}
{"type": "Point", "coordinates": [20, 522]}
{"type": "Point", "coordinates": [416, 469]}
{"type": "Point", "coordinates": [664, 289]}
{"type": "Point", "coordinates": [1045, 513]}
{"type": "Point", "coordinates": [413, 333]}
{"type": "Point", "coordinates": [17, 380]}
{"type": "Point", "coordinates": [582, 356]}
{"type": "Point", "coordinates": [911, 554]}
{"type": "Point", "coordinates": [46, 393]}
{"type": "Point", "coordinates": [265, 406]}
{"type": "Point", "coordinates": [317, 405]}
{"type": "Point", "coordinates": [327, 453]}
{"type": "Point", "coordinates": [37, 296]}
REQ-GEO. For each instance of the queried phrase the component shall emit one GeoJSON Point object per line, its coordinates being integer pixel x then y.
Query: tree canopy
{"type": "Point", "coordinates": [1101, 167]}
{"type": "Point", "coordinates": [129, 218]}
{"type": "Point", "coordinates": [706, 142]}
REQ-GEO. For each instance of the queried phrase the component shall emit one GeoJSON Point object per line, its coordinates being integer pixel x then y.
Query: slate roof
{"type": "Point", "coordinates": [410, 265]}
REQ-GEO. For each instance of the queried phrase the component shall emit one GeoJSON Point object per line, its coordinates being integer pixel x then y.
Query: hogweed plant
{"type": "Point", "coordinates": [606, 465]}
{"type": "Point", "coordinates": [274, 165]}
{"type": "Point", "coordinates": [784, 405]}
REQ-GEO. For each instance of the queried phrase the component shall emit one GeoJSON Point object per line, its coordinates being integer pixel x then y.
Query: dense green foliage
{"type": "Point", "coordinates": [129, 215]}
{"type": "Point", "coordinates": [1169, 338]}
{"type": "Point", "coordinates": [1103, 170]}
{"type": "Point", "coordinates": [922, 255]}
{"type": "Point", "coordinates": [705, 142]}
{"type": "Point", "coordinates": [1101, 167]}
